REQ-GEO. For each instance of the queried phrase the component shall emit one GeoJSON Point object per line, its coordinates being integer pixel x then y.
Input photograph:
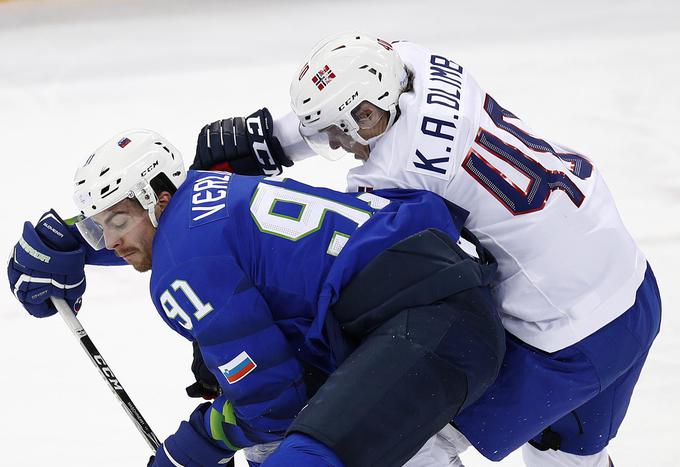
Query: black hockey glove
{"type": "Point", "coordinates": [245, 146]}
{"type": "Point", "coordinates": [206, 385]}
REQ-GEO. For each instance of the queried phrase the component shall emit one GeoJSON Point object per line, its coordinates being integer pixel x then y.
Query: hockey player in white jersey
{"type": "Point", "coordinates": [578, 299]}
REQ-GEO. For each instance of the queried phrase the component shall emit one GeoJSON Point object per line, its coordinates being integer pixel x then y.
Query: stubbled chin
{"type": "Point", "coordinates": [141, 266]}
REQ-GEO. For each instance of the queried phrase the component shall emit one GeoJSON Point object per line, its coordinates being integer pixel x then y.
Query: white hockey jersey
{"type": "Point", "coordinates": [567, 265]}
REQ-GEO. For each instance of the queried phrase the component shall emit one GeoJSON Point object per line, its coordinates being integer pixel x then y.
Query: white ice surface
{"type": "Point", "coordinates": [602, 77]}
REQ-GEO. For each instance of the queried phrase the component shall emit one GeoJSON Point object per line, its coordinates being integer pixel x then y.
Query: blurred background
{"type": "Point", "coordinates": [601, 77]}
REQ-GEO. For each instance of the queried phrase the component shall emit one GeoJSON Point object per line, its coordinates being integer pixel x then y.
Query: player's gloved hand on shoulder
{"type": "Point", "coordinates": [206, 385]}
{"type": "Point", "coordinates": [245, 146]}
{"type": "Point", "coordinates": [48, 261]}
{"type": "Point", "coordinates": [191, 445]}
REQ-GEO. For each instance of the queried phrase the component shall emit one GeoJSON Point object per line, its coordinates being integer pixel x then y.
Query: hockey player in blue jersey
{"type": "Point", "coordinates": [276, 280]}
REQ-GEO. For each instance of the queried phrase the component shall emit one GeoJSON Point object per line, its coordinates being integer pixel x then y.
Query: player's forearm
{"type": "Point", "coordinates": [261, 418]}
{"type": "Point", "coordinates": [286, 129]}
{"type": "Point", "coordinates": [219, 420]}
{"type": "Point", "coordinates": [193, 444]}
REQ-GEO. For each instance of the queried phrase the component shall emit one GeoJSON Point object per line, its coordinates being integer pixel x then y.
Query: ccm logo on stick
{"type": "Point", "coordinates": [107, 372]}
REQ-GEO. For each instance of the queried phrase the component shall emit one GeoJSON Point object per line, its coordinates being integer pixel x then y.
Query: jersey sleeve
{"type": "Point", "coordinates": [286, 129]}
{"type": "Point", "coordinates": [213, 302]}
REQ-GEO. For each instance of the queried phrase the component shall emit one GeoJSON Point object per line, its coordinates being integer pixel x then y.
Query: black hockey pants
{"type": "Point", "coordinates": [430, 343]}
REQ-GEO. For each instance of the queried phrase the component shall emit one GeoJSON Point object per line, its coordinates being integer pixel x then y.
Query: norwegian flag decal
{"type": "Point", "coordinates": [323, 77]}
{"type": "Point", "coordinates": [124, 142]}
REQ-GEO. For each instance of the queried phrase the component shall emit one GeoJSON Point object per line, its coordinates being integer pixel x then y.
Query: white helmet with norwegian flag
{"type": "Point", "coordinates": [123, 168]}
{"type": "Point", "coordinates": [339, 74]}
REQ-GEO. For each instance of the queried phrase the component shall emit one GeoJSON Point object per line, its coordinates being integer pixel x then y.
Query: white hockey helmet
{"type": "Point", "coordinates": [339, 74]}
{"type": "Point", "coordinates": [123, 169]}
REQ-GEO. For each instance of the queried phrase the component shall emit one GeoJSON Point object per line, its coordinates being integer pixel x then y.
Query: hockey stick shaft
{"type": "Point", "coordinates": [106, 372]}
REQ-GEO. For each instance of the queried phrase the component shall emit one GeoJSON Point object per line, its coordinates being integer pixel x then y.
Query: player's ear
{"type": "Point", "coordinates": [163, 200]}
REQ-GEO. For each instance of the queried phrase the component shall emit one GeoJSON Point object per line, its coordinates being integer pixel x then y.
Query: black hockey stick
{"type": "Point", "coordinates": [107, 374]}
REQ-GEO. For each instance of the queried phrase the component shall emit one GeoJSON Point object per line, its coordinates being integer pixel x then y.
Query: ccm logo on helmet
{"type": "Point", "coordinates": [149, 168]}
{"type": "Point", "coordinates": [349, 100]}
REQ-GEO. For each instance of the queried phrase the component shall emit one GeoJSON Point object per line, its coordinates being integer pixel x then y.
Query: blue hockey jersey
{"type": "Point", "coordinates": [248, 267]}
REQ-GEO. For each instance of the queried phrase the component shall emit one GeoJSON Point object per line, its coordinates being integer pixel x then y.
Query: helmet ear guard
{"type": "Point", "coordinates": [147, 198]}
{"type": "Point", "coordinates": [340, 74]}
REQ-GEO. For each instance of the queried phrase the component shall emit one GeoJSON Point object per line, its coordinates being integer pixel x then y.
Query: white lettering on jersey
{"type": "Point", "coordinates": [209, 196]}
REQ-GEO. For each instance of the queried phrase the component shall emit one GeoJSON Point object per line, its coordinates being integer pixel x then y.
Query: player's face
{"type": "Point", "coordinates": [128, 231]}
{"type": "Point", "coordinates": [338, 139]}
{"type": "Point", "coordinates": [372, 122]}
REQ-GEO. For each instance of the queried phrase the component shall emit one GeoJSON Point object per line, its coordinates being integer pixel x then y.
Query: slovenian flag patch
{"type": "Point", "coordinates": [236, 369]}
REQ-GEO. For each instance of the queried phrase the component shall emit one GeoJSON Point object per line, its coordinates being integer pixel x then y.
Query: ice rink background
{"type": "Point", "coordinates": [601, 77]}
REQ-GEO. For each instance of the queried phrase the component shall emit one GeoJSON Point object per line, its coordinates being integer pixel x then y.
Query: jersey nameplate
{"type": "Point", "coordinates": [209, 199]}
{"type": "Point", "coordinates": [432, 151]}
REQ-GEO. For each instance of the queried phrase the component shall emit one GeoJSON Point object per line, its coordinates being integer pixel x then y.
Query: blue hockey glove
{"type": "Point", "coordinates": [48, 261]}
{"type": "Point", "coordinates": [245, 146]}
{"type": "Point", "coordinates": [191, 445]}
